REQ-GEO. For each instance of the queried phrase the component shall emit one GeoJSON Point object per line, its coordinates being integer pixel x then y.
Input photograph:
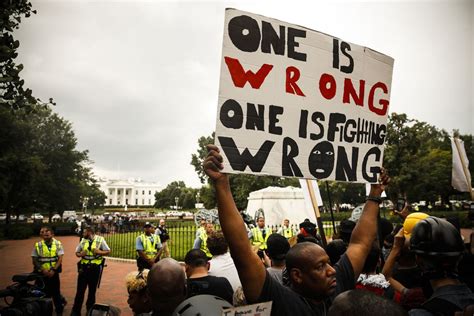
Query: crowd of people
{"type": "Point", "coordinates": [369, 267]}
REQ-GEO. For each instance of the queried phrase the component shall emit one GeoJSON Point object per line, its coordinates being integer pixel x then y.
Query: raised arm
{"type": "Point", "coordinates": [365, 231]}
{"type": "Point", "coordinates": [249, 266]}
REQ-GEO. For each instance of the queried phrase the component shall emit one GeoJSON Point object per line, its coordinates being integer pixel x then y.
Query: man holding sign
{"type": "Point", "coordinates": [314, 281]}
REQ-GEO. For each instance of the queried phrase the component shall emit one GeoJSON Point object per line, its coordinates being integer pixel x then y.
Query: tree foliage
{"type": "Point", "coordinates": [40, 167]}
{"type": "Point", "coordinates": [176, 189]}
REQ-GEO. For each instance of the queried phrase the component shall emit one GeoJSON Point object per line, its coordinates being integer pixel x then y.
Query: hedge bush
{"type": "Point", "coordinates": [26, 230]}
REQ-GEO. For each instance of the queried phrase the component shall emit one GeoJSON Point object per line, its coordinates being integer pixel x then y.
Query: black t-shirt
{"type": "Point", "coordinates": [288, 302]}
{"type": "Point", "coordinates": [212, 285]}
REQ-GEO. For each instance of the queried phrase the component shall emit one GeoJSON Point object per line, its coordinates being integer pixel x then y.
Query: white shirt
{"type": "Point", "coordinates": [223, 266]}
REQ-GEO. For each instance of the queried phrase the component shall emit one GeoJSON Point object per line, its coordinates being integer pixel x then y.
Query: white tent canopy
{"type": "Point", "coordinates": [279, 204]}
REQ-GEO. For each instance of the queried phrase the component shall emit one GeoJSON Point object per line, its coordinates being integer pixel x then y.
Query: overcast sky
{"type": "Point", "coordinates": [139, 79]}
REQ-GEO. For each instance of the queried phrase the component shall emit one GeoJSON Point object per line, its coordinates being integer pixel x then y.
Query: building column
{"type": "Point", "coordinates": [124, 194]}
{"type": "Point", "coordinates": [114, 200]}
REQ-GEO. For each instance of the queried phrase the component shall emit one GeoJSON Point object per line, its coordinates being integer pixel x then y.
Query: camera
{"type": "Point", "coordinates": [26, 298]}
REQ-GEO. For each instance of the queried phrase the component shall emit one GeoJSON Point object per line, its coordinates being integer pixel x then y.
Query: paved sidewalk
{"type": "Point", "coordinates": [16, 258]}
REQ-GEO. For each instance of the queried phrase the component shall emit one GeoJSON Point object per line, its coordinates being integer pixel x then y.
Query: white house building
{"type": "Point", "coordinates": [129, 192]}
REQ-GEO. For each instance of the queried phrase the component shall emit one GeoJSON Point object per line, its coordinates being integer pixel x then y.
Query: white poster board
{"type": "Point", "coordinates": [260, 309]}
{"type": "Point", "coordinates": [294, 102]}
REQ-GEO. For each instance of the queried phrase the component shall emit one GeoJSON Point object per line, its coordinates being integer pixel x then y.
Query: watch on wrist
{"type": "Point", "coordinates": [374, 198]}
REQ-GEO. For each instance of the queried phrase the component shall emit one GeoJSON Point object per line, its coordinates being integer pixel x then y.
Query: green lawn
{"type": "Point", "coordinates": [182, 238]}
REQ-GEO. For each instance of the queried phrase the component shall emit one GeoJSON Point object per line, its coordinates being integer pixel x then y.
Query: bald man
{"type": "Point", "coordinates": [314, 280]}
{"type": "Point", "coordinates": [166, 286]}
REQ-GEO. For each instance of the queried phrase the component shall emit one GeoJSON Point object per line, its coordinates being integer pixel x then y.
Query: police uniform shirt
{"type": "Point", "coordinates": [102, 246]}
{"type": "Point", "coordinates": [152, 238]}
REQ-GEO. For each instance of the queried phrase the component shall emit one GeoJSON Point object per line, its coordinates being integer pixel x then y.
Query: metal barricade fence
{"type": "Point", "coordinates": [122, 242]}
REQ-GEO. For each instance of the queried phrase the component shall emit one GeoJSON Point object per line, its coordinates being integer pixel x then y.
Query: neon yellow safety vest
{"type": "Point", "coordinates": [288, 233]}
{"type": "Point", "coordinates": [149, 248]}
{"type": "Point", "coordinates": [203, 247]}
{"type": "Point", "coordinates": [257, 237]}
{"type": "Point", "coordinates": [90, 258]}
{"type": "Point", "coordinates": [48, 256]}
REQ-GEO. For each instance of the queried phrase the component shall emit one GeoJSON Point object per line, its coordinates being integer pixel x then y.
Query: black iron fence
{"type": "Point", "coordinates": [122, 241]}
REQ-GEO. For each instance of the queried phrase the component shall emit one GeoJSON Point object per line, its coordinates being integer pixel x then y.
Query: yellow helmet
{"type": "Point", "coordinates": [411, 221]}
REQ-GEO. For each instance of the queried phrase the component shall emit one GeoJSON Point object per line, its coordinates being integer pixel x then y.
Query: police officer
{"type": "Point", "coordinates": [148, 246]}
{"type": "Point", "coordinates": [438, 247]}
{"type": "Point", "coordinates": [259, 235]}
{"type": "Point", "coordinates": [91, 250]}
{"type": "Point", "coordinates": [285, 230]}
{"type": "Point", "coordinates": [201, 241]}
{"type": "Point", "coordinates": [47, 258]}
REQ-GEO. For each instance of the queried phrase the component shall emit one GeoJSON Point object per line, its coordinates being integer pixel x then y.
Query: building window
{"type": "Point", "coordinates": [111, 191]}
{"type": "Point", "coordinates": [143, 192]}
{"type": "Point", "coordinates": [136, 192]}
{"type": "Point", "coordinates": [126, 192]}
{"type": "Point", "coordinates": [143, 201]}
{"type": "Point", "coordinates": [149, 192]}
{"type": "Point", "coordinates": [126, 201]}
{"type": "Point", "coordinates": [149, 202]}
{"type": "Point", "coordinates": [136, 201]}
{"type": "Point", "coordinates": [110, 201]}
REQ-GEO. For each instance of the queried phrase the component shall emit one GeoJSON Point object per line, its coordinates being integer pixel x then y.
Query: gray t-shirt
{"type": "Point", "coordinates": [276, 273]}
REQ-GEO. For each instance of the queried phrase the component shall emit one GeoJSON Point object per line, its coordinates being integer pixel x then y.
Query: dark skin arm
{"type": "Point", "coordinates": [365, 231]}
{"type": "Point", "coordinates": [249, 266]}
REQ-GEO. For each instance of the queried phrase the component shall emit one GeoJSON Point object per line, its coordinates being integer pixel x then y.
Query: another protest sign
{"type": "Point", "coordinates": [260, 309]}
{"type": "Point", "coordinates": [295, 102]}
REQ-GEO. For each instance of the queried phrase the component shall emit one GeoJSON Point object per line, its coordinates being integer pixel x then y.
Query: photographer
{"type": "Point", "coordinates": [47, 258]}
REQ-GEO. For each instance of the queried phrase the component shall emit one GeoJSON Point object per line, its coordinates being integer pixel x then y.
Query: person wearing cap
{"type": "Point", "coordinates": [439, 247]}
{"type": "Point", "coordinates": [200, 282]}
{"type": "Point", "coordinates": [309, 232]}
{"type": "Point", "coordinates": [277, 248]}
{"type": "Point", "coordinates": [148, 247]}
{"type": "Point", "coordinates": [91, 250]}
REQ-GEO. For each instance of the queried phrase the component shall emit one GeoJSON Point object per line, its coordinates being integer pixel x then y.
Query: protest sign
{"type": "Point", "coordinates": [260, 309]}
{"type": "Point", "coordinates": [294, 102]}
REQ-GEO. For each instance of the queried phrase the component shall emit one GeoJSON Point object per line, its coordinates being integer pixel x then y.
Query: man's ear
{"type": "Point", "coordinates": [296, 276]}
{"type": "Point", "coordinates": [208, 266]}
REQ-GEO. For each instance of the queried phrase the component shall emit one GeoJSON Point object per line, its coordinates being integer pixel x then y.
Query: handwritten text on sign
{"type": "Point", "coordinates": [298, 103]}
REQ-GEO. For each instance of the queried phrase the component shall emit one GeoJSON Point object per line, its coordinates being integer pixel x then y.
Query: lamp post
{"type": "Point", "coordinates": [176, 199]}
{"type": "Point", "coordinates": [198, 195]}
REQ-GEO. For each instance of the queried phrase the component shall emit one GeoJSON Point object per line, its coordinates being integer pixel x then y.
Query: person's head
{"type": "Point", "coordinates": [310, 271]}
{"type": "Point", "coordinates": [202, 305]}
{"type": "Point", "coordinates": [196, 259]}
{"type": "Point", "coordinates": [162, 222]}
{"type": "Point", "coordinates": [308, 229]}
{"type": "Point", "coordinates": [209, 228]}
{"type": "Point", "coordinates": [438, 247]}
{"type": "Point", "coordinates": [166, 286]}
{"type": "Point", "coordinates": [277, 248]}
{"type": "Point", "coordinates": [345, 229]}
{"type": "Point", "coordinates": [148, 228]}
{"type": "Point", "coordinates": [136, 288]}
{"type": "Point", "coordinates": [335, 249]}
{"type": "Point", "coordinates": [362, 302]}
{"type": "Point", "coordinates": [286, 223]}
{"type": "Point", "coordinates": [46, 233]}
{"type": "Point", "coordinates": [203, 223]}
{"type": "Point", "coordinates": [88, 232]}
{"type": "Point", "coordinates": [261, 222]}
{"type": "Point", "coordinates": [217, 244]}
